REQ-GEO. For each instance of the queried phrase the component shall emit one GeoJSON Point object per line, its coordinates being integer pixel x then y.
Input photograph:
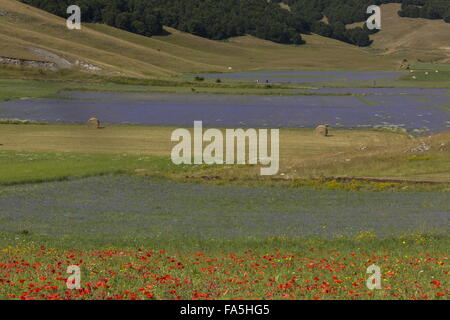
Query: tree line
{"type": "Point", "coordinates": [427, 9]}
{"type": "Point", "coordinates": [212, 19]}
{"type": "Point", "coordinates": [223, 19]}
{"type": "Point", "coordinates": [330, 17]}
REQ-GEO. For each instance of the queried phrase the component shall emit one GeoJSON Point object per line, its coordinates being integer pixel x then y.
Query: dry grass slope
{"type": "Point", "coordinates": [412, 38]}
{"type": "Point", "coordinates": [122, 53]}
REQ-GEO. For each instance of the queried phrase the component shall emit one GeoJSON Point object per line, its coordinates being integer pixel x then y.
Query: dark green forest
{"type": "Point", "coordinates": [222, 19]}
{"type": "Point", "coordinates": [432, 9]}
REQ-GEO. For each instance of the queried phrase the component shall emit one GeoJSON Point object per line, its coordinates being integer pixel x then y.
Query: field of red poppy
{"type": "Point", "coordinates": [412, 268]}
{"type": "Point", "coordinates": [143, 238]}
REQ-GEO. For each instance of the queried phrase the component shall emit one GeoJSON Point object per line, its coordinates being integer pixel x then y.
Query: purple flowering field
{"type": "Point", "coordinates": [413, 109]}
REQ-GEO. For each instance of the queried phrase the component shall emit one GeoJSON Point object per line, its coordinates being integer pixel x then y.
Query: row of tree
{"type": "Point", "coordinates": [428, 9]}
{"type": "Point", "coordinates": [207, 18]}
{"type": "Point", "coordinates": [227, 18]}
{"type": "Point", "coordinates": [223, 19]}
{"type": "Point", "coordinates": [130, 15]}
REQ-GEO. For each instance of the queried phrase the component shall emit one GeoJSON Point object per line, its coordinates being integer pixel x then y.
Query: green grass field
{"type": "Point", "coordinates": [17, 83]}
{"type": "Point", "coordinates": [50, 86]}
{"type": "Point", "coordinates": [49, 152]}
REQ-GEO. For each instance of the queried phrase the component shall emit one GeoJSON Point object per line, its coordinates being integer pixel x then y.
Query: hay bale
{"type": "Point", "coordinates": [322, 130]}
{"type": "Point", "coordinates": [93, 123]}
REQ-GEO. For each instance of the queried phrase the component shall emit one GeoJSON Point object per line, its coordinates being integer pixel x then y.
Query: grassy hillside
{"type": "Point", "coordinates": [412, 38]}
{"type": "Point", "coordinates": [25, 29]}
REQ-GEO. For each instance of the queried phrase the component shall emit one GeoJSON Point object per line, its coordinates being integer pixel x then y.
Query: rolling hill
{"type": "Point", "coordinates": [409, 38]}
{"type": "Point", "coordinates": [31, 34]}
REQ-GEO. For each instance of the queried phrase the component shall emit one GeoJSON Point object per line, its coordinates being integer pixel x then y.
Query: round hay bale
{"type": "Point", "coordinates": [322, 130]}
{"type": "Point", "coordinates": [93, 123]}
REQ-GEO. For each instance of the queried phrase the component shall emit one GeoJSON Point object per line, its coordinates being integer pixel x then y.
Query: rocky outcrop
{"type": "Point", "coordinates": [87, 66]}
{"type": "Point", "coordinates": [29, 63]}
